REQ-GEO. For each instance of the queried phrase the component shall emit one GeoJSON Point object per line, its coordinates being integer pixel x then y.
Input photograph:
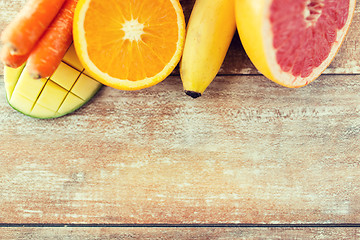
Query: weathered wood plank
{"type": "Point", "coordinates": [179, 233]}
{"type": "Point", "coordinates": [248, 151]}
{"type": "Point", "coordinates": [346, 62]}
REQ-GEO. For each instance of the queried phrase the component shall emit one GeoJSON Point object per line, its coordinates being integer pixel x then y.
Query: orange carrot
{"type": "Point", "coordinates": [28, 26]}
{"type": "Point", "coordinates": [13, 61]}
{"type": "Point", "coordinates": [48, 52]}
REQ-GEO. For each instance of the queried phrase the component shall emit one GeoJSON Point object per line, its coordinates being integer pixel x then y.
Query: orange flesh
{"type": "Point", "coordinates": [153, 42]}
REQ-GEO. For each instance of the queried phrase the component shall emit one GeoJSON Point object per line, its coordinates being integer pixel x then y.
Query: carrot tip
{"type": "Point", "coordinates": [12, 49]}
{"type": "Point", "coordinates": [9, 65]}
{"type": "Point", "coordinates": [35, 75]}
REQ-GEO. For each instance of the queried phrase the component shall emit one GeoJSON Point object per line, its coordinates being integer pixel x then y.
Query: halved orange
{"type": "Point", "coordinates": [129, 44]}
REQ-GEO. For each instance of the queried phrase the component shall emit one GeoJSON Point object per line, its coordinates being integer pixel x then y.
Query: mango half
{"type": "Point", "coordinates": [69, 88]}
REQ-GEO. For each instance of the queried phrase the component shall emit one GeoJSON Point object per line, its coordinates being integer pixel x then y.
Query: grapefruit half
{"type": "Point", "coordinates": [292, 42]}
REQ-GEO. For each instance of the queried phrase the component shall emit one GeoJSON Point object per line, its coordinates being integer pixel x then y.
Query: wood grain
{"type": "Point", "coordinates": [248, 151]}
{"type": "Point", "coordinates": [179, 233]}
{"type": "Point", "coordinates": [347, 60]}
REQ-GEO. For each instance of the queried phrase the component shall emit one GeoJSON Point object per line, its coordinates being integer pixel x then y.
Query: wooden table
{"type": "Point", "coordinates": [248, 160]}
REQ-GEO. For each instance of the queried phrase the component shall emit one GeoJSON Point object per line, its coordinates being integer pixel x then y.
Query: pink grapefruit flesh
{"type": "Point", "coordinates": [305, 31]}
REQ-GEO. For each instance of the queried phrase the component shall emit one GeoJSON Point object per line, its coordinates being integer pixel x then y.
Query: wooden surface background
{"type": "Point", "coordinates": [247, 152]}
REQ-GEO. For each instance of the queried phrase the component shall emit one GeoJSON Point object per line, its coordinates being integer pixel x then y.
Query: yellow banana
{"type": "Point", "coordinates": [210, 29]}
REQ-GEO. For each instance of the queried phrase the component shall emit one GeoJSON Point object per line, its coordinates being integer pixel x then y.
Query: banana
{"type": "Point", "coordinates": [210, 30]}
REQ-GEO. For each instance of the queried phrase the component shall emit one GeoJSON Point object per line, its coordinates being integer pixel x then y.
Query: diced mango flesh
{"type": "Point", "coordinates": [85, 87]}
{"type": "Point", "coordinates": [64, 92]}
{"type": "Point", "coordinates": [88, 73]}
{"type": "Point", "coordinates": [65, 76]}
{"type": "Point", "coordinates": [29, 87]}
{"type": "Point", "coordinates": [70, 103]}
{"type": "Point", "coordinates": [52, 96]}
{"type": "Point", "coordinates": [42, 112]}
{"type": "Point", "coordinates": [21, 103]}
{"type": "Point", "coordinates": [71, 59]}
{"type": "Point", "coordinates": [12, 75]}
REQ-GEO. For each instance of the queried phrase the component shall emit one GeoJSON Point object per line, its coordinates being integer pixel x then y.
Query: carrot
{"type": "Point", "coordinates": [48, 52]}
{"type": "Point", "coordinates": [13, 61]}
{"type": "Point", "coordinates": [28, 26]}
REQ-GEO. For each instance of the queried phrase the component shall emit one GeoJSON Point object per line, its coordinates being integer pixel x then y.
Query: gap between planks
{"type": "Point", "coordinates": [164, 225]}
